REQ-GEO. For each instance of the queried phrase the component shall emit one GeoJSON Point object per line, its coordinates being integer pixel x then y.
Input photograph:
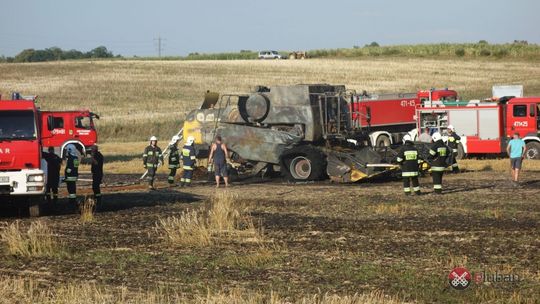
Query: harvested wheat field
{"type": "Point", "coordinates": [265, 240]}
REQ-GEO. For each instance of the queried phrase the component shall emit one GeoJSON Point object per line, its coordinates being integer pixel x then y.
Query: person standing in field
{"type": "Point", "coordinates": [516, 150]}
{"type": "Point", "coordinates": [152, 157]}
{"type": "Point", "coordinates": [408, 158]}
{"type": "Point", "coordinates": [54, 162]}
{"type": "Point", "coordinates": [174, 159]}
{"type": "Point", "coordinates": [71, 173]}
{"type": "Point", "coordinates": [218, 157]}
{"type": "Point", "coordinates": [188, 162]}
{"type": "Point", "coordinates": [439, 154]}
{"type": "Point", "coordinates": [97, 173]}
{"type": "Point", "coordinates": [453, 143]}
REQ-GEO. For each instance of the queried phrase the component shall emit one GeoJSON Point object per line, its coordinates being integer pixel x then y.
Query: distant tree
{"type": "Point", "coordinates": [522, 42]}
{"type": "Point", "coordinates": [356, 47]}
{"type": "Point", "coordinates": [483, 42]}
{"type": "Point", "coordinates": [25, 55]}
{"type": "Point", "coordinates": [373, 44]}
{"type": "Point", "coordinates": [73, 54]}
{"type": "Point", "coordinates": [56, 52]}
{"type": "Point", "coordinates": [245, 51]}
{"type": "Point", "coordinates": [484, 52]}
{"type": "Point", "coordinates": [100, 52]}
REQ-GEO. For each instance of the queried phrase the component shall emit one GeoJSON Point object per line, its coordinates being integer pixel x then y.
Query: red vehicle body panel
{"type": "Point", "coordinates": [394, 109]}
{"type": "Point", "coordinates": [68, 126]}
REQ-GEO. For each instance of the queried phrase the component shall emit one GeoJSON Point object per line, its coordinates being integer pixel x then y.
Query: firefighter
{"type": "Point", "coordinates": [408, 158]}
{"type": "Point", "coordinates": [152, 157]}
{"type": "Point", "coordinates": [439, 153]}
{"type": "Point", "coordinates": [71, 173]}
{"type": "Point", "coordinates": [97, 173]}
{"type": "Point", "coordinates": [54, 162]}
{"type": "Point", "coordinates": [188, 162]}
{"type": "Point", "coordinates": [174, 159]}
{"type": "Point", "coordinates": [453, 142]}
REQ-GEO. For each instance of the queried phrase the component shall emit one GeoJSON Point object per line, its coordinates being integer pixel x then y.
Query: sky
{"type": "Point", "coordinates": [132, 27]}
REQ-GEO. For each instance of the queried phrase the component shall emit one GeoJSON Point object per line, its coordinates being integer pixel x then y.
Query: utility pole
{"type": "Point", "coordinates": [159, 44]}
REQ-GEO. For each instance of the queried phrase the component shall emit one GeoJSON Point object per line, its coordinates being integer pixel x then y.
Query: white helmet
{"type": "Point", "coordinates": [190, 140]}
{"type": "Point", "coordinates": [406, 138]}
{"type": "Point", "coordinates": [450, 127]}
{"type": "Point", "coordinates": [175, 139]}
{"type": "Point", "coordinates": [153, 138]}
{"type": "Point", "coordinates": [436, 136]}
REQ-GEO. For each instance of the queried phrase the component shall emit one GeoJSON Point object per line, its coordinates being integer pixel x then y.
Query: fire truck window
{"type": "Point", "coordinates": [532, 110]}
{"type": "Point", "coordinates": [58, 123]}
{"type": "Point", "coordinates": [520, 111]}
{"type": "Point", "coordinates": [83, 122]}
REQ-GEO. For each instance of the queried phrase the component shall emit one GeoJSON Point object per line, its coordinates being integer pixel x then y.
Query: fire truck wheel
{"type": "Point", "coordinates": [303, 163]}
{"type": "Point", "coordinates": [460, 152]}
{"type": "Point", "coordinates": [34, 209]}
{"type": "Point", "coordinates": [533, 150]}
{"type": "Point", "coordinates": [382, 141]}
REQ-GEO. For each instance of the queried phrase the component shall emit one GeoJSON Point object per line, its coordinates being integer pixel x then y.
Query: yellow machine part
{"type": "Point", "coordinates": [357, 175]}
{"type": "Point", "coordinates": [193, 128]}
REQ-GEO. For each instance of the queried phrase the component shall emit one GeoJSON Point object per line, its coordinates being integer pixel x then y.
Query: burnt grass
{"type": "Point", "coordinates": [320, 237]}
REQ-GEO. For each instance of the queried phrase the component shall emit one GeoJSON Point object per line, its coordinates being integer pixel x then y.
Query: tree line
{"type": "Point", "coordinates": [56, 53]}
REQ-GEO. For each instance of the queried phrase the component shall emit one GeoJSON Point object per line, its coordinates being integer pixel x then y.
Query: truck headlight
{"type": "Point", "coordinates": [35, 178]}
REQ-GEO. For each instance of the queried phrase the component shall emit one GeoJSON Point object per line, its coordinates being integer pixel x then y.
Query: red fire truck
{"type": "Point", "coordinates": [25, 132]}
{"type": "Point", "coordinates": [60, 128]}
{"type": "Point", "coordinates": [486, 127]}
{"type": "Point", "coordinates": [22, 170]}
{"type": "Point", "coordinates": [390, 116]}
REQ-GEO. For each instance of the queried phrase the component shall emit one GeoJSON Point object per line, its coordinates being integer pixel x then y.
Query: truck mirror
{"type": "Point", "coordinates": [50, 123]}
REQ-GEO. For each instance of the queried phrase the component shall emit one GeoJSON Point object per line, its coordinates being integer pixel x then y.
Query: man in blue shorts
{"type": "Point", "coordinates": [218, 157]}
{"type": "Point", "coordinates": [516, 150]}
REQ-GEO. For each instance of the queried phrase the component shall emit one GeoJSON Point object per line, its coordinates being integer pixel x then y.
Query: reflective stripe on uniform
{"type": "Point", "coordinates": [407, 189]}
{"type": "Point", "coordinates": [173, 166]}
{"type": "Point", "coordinates": [432, 152]}
{"type": "Point", "coordinates": [408, 174]}
{"type": "Point", "coordinates": [399, 159]}
{"type": "Point", "coordinates": [454, 150]}
{"type": "Point", "coordinates": [71, 179]}
{"type": "Point", "coordinates": [437, 186]}
{"type": "Point", "coordinates": [171, 178]}
{"type": "Point", "coordinates": [182, 179]}
{"type": "Point", "coordinates": [193, 157]}
{"type": "Point", "coordinates": [455, 165]}
{"type": "Point", "coordinates": [411, 155]}
{"type": "Point", "coordinates": [187, 168]}
{"type": "Point", "coordinates": [187, 180]}
{"type": "Point", "coordinates": [416, 189]}
{"type": "Point", "coordinates": [72, 195]}
{"type": "Point", "coordinates": [438, 169]}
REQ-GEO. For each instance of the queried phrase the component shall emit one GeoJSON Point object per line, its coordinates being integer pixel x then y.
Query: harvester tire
{"type": "Point", "coordinates": [533, 150]}
{"type": "Point", "coordinates": [303, 163]}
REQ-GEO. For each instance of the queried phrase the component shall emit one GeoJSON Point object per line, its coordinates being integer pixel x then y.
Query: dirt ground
{"type": "Point", "coordinates": [322, 237]}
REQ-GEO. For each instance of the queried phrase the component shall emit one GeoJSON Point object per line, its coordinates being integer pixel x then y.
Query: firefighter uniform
{"type": "Point", "coordinates": [408, 158]}
{"type": "Point", "coordinates": [453, 142]}
{"type": "Point", "coordinates": [71, 174]}
{"type": "Point", "coordinates": [174, 162]}
{"type": "Point", "coordinates": [97, 175]}
{"type": "Point", "coordinates": [152, 156]}
{"type": "Point", "coordinates": [54, 162]}
{"type": "Point", "coordinates": [439, 153]}
{"type": "Point", "coordinates": [188, 164]}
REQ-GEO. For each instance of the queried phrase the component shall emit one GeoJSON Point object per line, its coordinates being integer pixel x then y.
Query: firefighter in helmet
{"type": "Point", "coordinates": [71, 173]}
{"type": "Point", "coordinates": [453, 143]}
{"type": "Point", "coordinates": [174, 159]}
{"type": "Point", "coordinates": [152, 157]}
{"type": "Point", "coordinates": [439, 153]}
{"type": "Point", "coordinates": [188, 161]}
{"type": "Point", "coordinates": [408, 158]}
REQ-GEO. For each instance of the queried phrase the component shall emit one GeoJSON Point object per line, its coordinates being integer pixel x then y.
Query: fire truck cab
{"type": "Point", "coordinates": [22, 169]}
{"type": "Point", "coordinates": [486, 127]}
{"type": "Point", "coordinates": [60, 128]}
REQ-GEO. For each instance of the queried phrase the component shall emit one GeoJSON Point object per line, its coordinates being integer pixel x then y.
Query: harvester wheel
{"type": "Point", "coordinates": [303, 163]}
{"type": "Point", "coordinates": [533, 150]}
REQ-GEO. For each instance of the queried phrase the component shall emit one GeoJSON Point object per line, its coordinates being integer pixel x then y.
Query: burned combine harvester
{"type": "Point", "coordinates": [304, 131]}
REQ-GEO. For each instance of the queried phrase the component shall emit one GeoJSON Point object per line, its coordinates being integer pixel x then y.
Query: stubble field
{"type": "Point", "coordinates": [267, 241]}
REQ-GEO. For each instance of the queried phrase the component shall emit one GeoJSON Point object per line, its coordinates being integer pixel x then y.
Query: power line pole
{"type": "Point", "coordinates": [159, 44]}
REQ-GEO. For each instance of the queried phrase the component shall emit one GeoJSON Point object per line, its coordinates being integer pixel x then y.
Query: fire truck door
{"type": "Point", "coordinates": [522, 119]}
